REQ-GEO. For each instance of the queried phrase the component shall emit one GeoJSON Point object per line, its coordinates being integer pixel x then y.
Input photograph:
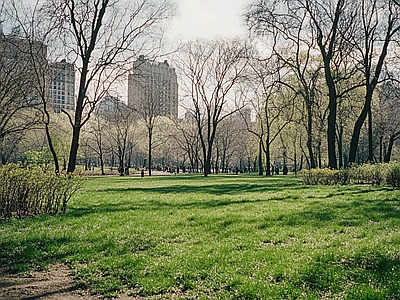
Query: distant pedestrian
{"type": "Point", "coordinates": [285, 170]}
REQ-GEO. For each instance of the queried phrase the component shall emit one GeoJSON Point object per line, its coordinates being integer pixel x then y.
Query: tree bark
{"type": "Point", "coordinates": [150, 146]}
{"type": "Point", "coordinates": [74, 149]}
{"type": "Point", "coordinates": [260, 161]}
{"type": "Point", "coordinates": [389, 149]}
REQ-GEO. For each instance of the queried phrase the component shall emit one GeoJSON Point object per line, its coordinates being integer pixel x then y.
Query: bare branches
{"type": "Point", "coordinates": [212, 70]}
{"type": "Point", "coordinates": [101, 37]}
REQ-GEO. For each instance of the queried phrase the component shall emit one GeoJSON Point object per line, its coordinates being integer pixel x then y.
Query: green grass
{"type": "Point", "coordinates": [220, 237]}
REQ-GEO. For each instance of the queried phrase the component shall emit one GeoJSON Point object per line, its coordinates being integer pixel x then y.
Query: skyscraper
{"type": "Point", "coordinates": [62, 86]}
{"type": "Point", "coordinates": [153, 88]}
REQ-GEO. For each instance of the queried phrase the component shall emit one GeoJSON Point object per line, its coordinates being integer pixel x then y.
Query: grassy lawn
{"type": "Point", "coordinates": [221, 237]}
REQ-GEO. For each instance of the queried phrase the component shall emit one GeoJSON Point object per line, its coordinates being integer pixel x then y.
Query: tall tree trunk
{"type": "Point", "coordinates": [53, 152]}
{"type": "Point", "coordinates": [331, 132]}
{"type": "Point", "coordinates": [260, 161]}
{"type": "Point", "coordinates": [370, 87]}
{"type": "Point", "coordinates": [150, 146]}
{"type": "Point", "coordinates": [102, 163]}
{"type": "Point", "coordinates": [340, 146]}
{"type": "Point", "coordinates": [309, 134]}
{"type": "Point", "coordinates": [268, 158]}
{"type": "Point", "coordinates": [370, 138]}
{"type": "Point", "coordinates": [327, 55]}
{"type": "Point", "coordinates": [389, 149]}
{"type": "Point", "coordinates": [357, 128]}
{"type": "Point", "coordinates": [74, 149]}
{"type": "Point", "coordinates": [320, 155]}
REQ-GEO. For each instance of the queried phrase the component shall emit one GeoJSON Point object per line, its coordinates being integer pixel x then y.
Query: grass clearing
{"type": "Point", "coordinates": [218, 237]}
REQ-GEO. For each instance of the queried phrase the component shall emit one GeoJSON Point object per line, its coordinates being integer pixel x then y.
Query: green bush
{"type": "Point", "coordinates": [320, 176]}
{"type": "Point", "coordinates": [375, 174]}
{"type": "Point", "coordinates": [31, 191]}
{"type": "Point", "coordinates": [393, 176]}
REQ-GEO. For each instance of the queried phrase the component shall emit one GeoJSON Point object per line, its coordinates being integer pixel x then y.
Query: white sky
{"type": "Point", "coordinates": [207, 19]}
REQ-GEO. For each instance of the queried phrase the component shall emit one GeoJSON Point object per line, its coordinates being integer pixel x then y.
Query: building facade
{"type": "Point", "coordinates": [26, 61]}
{"type": "Point", "coordinates": [62, 86]}
{"type": "Point", "coordinates": [153, 89]}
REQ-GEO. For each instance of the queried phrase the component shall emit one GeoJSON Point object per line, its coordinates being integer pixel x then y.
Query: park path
{"type": "Point", "coordinates": [53, 284]}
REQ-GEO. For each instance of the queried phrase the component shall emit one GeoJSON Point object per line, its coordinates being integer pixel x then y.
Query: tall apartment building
{"type": "Point", "coordinates": [153, 88]}
{"type": "Point", "coordinates": [22, 60]}
{"type": "Point", "coordinates": [62, 86]}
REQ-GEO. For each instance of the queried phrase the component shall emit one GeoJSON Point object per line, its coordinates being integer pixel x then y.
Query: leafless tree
{"type": "Point", "coordinates": [229, 138]}
{"type": "Point", "coordinates": [101, 37]}
{"type": "Point", "coordinates": [379, 27]}
{"type": "Point", "coordinates": [329, 24]}
{"type": "Point", "coordinates": [387, 123]}
{"type": "Point", "coordinates": [295, 51]}
{"type": "Point", "coordinates": [272, 102]}
{"type": "Point", "coordinates": [18, 99]}
{"type": "Point", "coordinates": [211, 69]}
{"type": "Point", "coordinates": [35, 35]}
{"type": "Point", "coordinates": [122, 122]}
{"type": "Point", "coordinates": [187, 138]}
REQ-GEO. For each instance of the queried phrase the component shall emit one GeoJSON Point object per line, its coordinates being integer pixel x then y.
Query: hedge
{"type": "Point", "coordinates": [31, 191]}
{"type": "Point", "coordinates": [374, 174]}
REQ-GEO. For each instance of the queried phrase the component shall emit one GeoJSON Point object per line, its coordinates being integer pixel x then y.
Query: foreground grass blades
{"type": "Point", "coordinates": [220, 237]}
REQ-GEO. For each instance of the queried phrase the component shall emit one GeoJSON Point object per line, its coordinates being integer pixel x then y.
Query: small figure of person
{"type": "Point", "coordinates": [142, 173]}
{"type": "Point", "coordinates": [285, 170]}
{"type": "Point", "coordinates": [277, 171]}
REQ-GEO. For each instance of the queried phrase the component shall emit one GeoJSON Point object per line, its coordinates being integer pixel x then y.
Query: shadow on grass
{"type": "Point", "coordinates": [32, 253]}
{"type": "Point", "coordinates": [217, 189]}
{"type": "Point", "coordinates": [152, 205]}
{"type": "Point", "coordinates": [349, 214]}
{"type": "Point", "coordinates": [370, 273]}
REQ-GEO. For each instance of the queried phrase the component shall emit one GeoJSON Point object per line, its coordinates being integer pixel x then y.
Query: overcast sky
{"type": "Point", "coordinates": [208, 19]}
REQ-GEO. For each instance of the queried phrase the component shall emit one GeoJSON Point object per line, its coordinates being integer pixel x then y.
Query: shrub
{"type": "Point", "coordinates": [32, 191]}
{"type": "Point", "coordinates": [319, 176]}
{"type": "Point", "coordinates": [364, 174]}
{"type": "Point", "coordinates": [393, 176]}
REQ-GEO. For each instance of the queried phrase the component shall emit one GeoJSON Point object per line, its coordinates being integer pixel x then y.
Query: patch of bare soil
{"type": "Point", "coordinates": [52, 284]}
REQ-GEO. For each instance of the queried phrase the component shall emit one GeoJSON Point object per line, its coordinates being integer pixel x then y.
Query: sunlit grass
{"type": "Point", "coordinates": [220, 237]}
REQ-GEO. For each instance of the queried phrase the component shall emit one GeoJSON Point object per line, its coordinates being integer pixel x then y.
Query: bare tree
{"type": "Point", "coordinates": [122, 131]}
{"type": "Point", "coordinates": [36, 35]}
{"type": "Point", "coordinates": [97, 131]}
{"type": "Point", "coordinates": [379, 25]}
{"type": "Point", "coordinates": [272, 102]}
{"type": "Point", "coordinates": [228, 138]}
{"type": "Point", "coordinates": [387, 123]}
{"type": "Point", "coordinates": [101, 37]}
{"type": "Point", "coordinates": [17, 90]}
{"type": "Point", "coordinates": [294, 49]}
{"type": "Point", "coordinates": [187, 138]}
{"type": "Point", "coordinates": [329, 24]}
{"type": "Point", "coordinates": [211, 71]}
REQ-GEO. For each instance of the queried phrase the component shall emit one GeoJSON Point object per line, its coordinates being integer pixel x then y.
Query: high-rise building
{"type": "Point", "coordinates": [20, 62]}
{"type": "Point", "coordinates": [153, 88]}
{"type": "Point", "coordinates": [14, 48]}
{"type": "Point", "coordinates": [26, 61]}
{"type": "Point", "coordinates": [62, 86]}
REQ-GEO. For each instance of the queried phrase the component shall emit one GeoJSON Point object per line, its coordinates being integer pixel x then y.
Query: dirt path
{"type": "Point", "coordinates": [53, 284]}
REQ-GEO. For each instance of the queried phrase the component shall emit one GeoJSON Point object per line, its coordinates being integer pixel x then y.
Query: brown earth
{"type": "Point", "coordinates": [52, 284]}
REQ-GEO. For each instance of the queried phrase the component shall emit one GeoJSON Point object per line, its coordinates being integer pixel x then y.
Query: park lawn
{"type": "Point", "coordinates": [218, 237]}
